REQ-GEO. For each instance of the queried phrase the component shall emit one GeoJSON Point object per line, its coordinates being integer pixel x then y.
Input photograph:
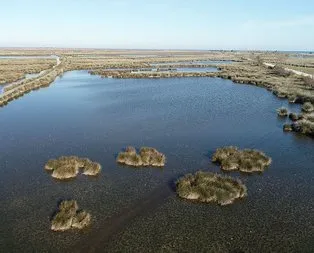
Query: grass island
{"type": "Point", "coordinates": [66, 167]}
{"type": "Point", "coordinates": [282, 112]}
{"type": "Point", "coordinates": [247, 160]}
{"type": "Point", "coordinates": [210, 187]}
{"type": "Point", "coordinates": [308, 107]}
{"type": "Point", "coordinates": [302, 123]}
{"type": "Point", "coordinates": [69, 216]}
{"type": "Point", "coordinates": [146, 157]}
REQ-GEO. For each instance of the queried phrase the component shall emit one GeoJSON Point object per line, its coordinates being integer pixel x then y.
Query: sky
{"type": "Point", "coordinates": [159, 24]}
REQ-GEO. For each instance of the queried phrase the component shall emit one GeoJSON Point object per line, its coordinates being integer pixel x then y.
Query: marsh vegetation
{"type": "Point", "coordinates": [247, 160]}
{"type": "Point", "coordinates": [282, 112]}
{"type": "Point", "coordinates": [305, 125]}
{"type": "Point", "coordinates": [303, 122]}
{"type": "Point", "coordinates": [294, 116]}
{"type": "Point", "coordinates": [292, 87]}
{"type": "Point", "coordinates": [308, 107]}
{"type": "Point", "coordinates": [69, 216]}
{"type": "Point", "coordinates": [147, 157]}
{"type": "Point", "coordinates": [125, 74]}
{"type": "Point", "coordinates": [12, 70]}
{"type": "Point", "coordinates": [66, 167]}
{"type": "Point", "coordinates": [18, 89]}
{"type": "Point", "coordinates": [209, 187]}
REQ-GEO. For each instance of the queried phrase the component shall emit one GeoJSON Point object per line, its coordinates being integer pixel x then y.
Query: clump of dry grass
{"type": "Point", "coordinates": [66, 167]}
{"type": "Point", "coordinates": [282, 112]}
{"type": "Point", "coordinates": [308, 107]}
{"type": "Point", "coordinates": [68, 216]}
{"type": "Point", "coordinates": [146, 157]}
{"type": "Point", "coordinates": [308, 81]}
{"type": "Point", "coordinates": [287, 128]}
{"type": "Point", "coordinates": [209, 187]}
{"type": "Point", "coordinates": [304, 126]}
{"type": "Point", "coordinates": [294, 116]}
{"type": "Point", "coordinates": [303, 123]}
{"type": "Point", "coordinates": [124, 74]}
{"type": "Point", "coordinates": [280, 71]}
{"type": "Point", "coordinates": [247, 160]}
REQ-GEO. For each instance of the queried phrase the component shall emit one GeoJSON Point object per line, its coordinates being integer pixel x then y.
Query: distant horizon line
{"type": "Point", "coordinates": [147, 49]}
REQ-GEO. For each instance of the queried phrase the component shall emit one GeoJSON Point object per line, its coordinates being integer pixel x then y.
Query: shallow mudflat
{"type": "Point", "coordinates": [186, 118]}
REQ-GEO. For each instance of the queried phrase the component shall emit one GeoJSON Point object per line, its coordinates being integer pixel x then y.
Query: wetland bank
{"type": "Point", "coordinates": [187, 119]}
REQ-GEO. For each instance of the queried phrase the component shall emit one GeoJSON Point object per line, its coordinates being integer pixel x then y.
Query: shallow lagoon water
{"type": "Point", "coordinates": [136, 210]}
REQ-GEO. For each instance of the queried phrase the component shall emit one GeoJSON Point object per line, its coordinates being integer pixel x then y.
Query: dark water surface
{"type": "Point", "coordinates": [136, 210]}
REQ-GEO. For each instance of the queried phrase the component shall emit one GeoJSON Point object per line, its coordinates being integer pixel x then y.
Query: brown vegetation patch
{"type": "Point", "coordinates": [209, 187]}
{"type": "Point", "coordinates": [248, 160]}
{"type": "Point", "coordinates": [68, 217]}
{"type": "Point", "coordinates": [282, 112]}
{"type": "Point", "coordinates": [293, 87]}
{"type": "Point", "coordinates": [146, 157]}
{"type": "Point", "coordinates": [15, 69]}
{"type": "Point", "coordinates": [66, 167]}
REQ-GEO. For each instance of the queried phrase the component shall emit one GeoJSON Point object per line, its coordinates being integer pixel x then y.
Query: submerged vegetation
{"type": "Point", "coordinates": [146, 157]}
{"type": "Point", "coordinates": [66, 167]}
{"type": "Point", "coordinates": [69, 216]}
{"type": "Point", "coordinates": [248, 160]}
{"type": "Point", "coordinates": [209, 187]}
